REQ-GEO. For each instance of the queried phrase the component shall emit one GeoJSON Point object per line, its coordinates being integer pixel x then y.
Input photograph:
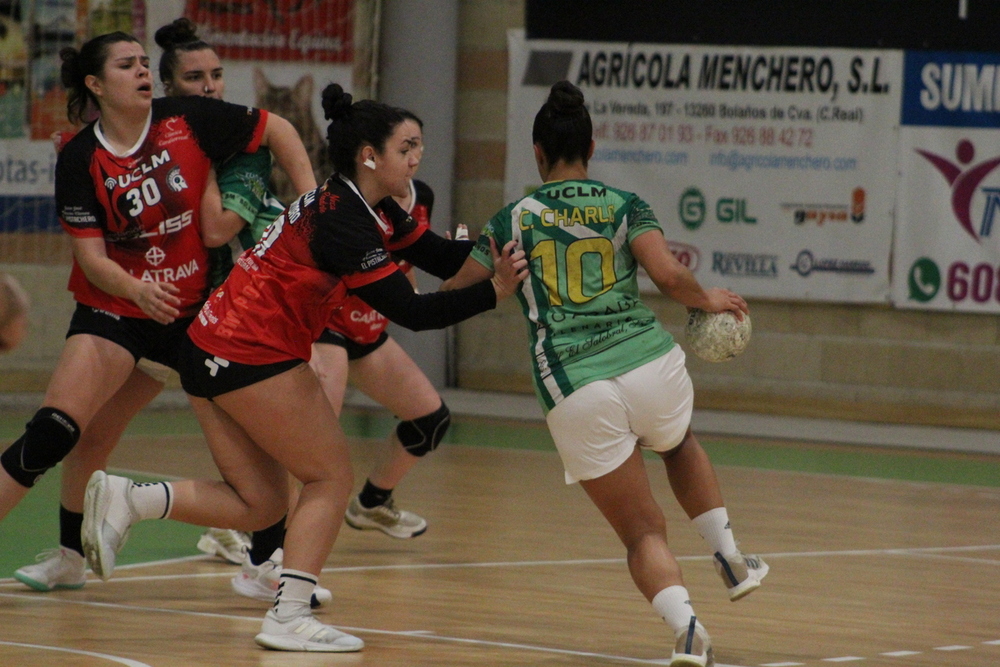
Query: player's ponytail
{"type": "Point", "coordinates": [354, 124]}
{"type": "Point", "coordinates": [562, 126]}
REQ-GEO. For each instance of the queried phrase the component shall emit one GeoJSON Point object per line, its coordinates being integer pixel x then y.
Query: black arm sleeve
{"type": "Point", "coordinates": [437, 256]}
{"type": "Point", "coordinates": [394, 297]}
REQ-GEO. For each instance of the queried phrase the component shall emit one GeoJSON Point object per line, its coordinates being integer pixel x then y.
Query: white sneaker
{"type": "Point", "coordinates": [229, 545]}
{"type": "Point", "coordinates": [260, 582]}
{"type": "Point", "coordinates": [304, 633]}
{"type": "Point", "coordinates": [693, 647]}
{"type": "Point", "coordinates": [54, 569]}
{"type": "Point", "coordinates": [108, 515]}
{"type": "Point", "coordinates": [741, 573]}
{"type": "Point", "coordinates": [388, 519]}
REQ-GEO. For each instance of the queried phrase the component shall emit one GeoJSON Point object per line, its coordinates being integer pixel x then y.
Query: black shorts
{"type": "Point", "coordinates": [206, 376]}
{"type": "Point", "coordinates": [142, 337]}
{"type": "Point", "coordinates": [354, 350]}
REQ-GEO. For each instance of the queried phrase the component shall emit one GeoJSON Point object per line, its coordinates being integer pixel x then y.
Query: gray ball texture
{"type": "Point", "coordinates": [717, 337]}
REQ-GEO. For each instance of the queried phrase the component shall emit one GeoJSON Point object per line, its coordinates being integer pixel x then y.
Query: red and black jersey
{"type": "Point", "coordinates": [357, 320]}
{"type": "Point", "coordinates": [146, 203]}
{"type": "Point", "coordinates": [281, 293]}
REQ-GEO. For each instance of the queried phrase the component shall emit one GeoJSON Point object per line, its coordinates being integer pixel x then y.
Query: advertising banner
{"type": "Point", "coordinates": [771, 169]}
{"type": "Point", "coordinates": [284, 30]}
{"type": "Point", "coordinates": [947, 247]}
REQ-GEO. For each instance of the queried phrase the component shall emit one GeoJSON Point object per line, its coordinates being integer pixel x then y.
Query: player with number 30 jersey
{"type": "Point", "coordinates": [145, 203]}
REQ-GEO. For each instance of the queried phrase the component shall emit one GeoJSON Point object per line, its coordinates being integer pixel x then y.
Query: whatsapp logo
{"type": "Point", "coordinates": [925, 280]}
{"type": "Point", "coordinates": [692, 208]}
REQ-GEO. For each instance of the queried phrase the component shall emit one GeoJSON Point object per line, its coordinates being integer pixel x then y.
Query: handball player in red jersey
{"type": "Point", "coordinates": [261, 407]}
{"type": "Point", "coordinates": [128, 191]}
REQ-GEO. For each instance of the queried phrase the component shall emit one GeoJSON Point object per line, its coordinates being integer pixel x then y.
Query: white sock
{"type": "Point", "coordinates": [674, 605]}
{"type": "Point", "coordinates": [295, 589]}
{"type": "Point", "coordinates": [152, 500]}
{"type": "Point", "coordinates": [713, 526]}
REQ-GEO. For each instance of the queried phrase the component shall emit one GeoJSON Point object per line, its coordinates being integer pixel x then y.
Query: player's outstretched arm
{"type": "Point", "coordinates": [674, 280]}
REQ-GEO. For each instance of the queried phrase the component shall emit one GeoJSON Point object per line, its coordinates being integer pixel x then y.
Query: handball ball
{"type": "Point", "coordinates": [717, 336]}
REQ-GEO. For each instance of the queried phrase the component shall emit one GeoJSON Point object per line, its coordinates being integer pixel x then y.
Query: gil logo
{"type": "Point", "coordinates": [692, 208]}
{"type": "Point", "coordinates": [924, 280]}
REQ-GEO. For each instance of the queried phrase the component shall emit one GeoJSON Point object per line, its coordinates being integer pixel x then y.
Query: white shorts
{"type": "Point", "coordinates": [597, 427]}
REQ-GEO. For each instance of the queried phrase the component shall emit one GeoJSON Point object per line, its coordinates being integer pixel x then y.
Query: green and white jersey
{"type": "Point", "coordinates": [243, 181]}
{"type": "Point", "coordinates": [581, 298]}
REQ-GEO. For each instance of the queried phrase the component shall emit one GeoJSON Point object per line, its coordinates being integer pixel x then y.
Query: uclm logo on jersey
{"type": "Point", "coordinates": [137, 174]}
{"type": "Point", "coordinates": [964, 177]}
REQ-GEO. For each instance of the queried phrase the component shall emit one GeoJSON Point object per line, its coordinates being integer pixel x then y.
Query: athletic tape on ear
{"type": "Point", "coordinates": [370, 163]}
{"type": "Point", "coordinates": [422, 435]}
{"type": "Point", "coordinates": [49, 437]}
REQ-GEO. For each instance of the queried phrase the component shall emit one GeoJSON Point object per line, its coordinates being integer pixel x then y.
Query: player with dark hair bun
{"type": "Point", "coordinates": [611, 381]}
{"type": "Point", "coordinates": [356, 344]}
{"type": "Point", "coordinates": [191, 67]}
{"type": "Point", "coordinates": [128, 188]}
{"type": "Point", "coordinates": [245, 364]}
{"type": "Point", "coordinates": [176, 39]}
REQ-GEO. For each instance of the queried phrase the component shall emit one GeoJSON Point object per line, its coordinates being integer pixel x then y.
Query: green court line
{"type": "Point", "coordinates": [908, 465]}
{"type": "Point", "coordinates": [33, 525]}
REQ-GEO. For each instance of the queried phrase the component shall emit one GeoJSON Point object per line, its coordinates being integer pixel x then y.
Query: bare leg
{"type": "Point", "coordinates": [624, 498]}
{"type": "Point", "coordinates": [389, 376]}
{"type": "Point", "coordinates": [254, 494]}
{"type": "Point", "coordinates": [330, 364]}
{"type": "Point", "coordinates": [101, 436]}
{"type": "Point", "coordinates": [255, 434]}
{"type": "Point", "coordinates": [692, 477]}
{"type": "Point", "coordinates": [89, 371]}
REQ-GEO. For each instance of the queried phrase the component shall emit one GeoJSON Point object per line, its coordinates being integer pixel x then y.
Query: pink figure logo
{"type": "Point", "coordinates": [964, 183]}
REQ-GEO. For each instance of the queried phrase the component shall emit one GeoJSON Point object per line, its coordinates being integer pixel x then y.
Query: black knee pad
{"type": "Point", "coordinates": [421, 436]}
{"type": "Point", "coordinates": [48, 438]}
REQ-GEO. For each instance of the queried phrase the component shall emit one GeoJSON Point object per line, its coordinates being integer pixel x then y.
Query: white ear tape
{"type": "Point", "coordinates": [370, 163]}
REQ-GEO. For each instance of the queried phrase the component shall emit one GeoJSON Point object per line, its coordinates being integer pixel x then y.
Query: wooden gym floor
{"type": "Point", "coordinates": [867, 567]}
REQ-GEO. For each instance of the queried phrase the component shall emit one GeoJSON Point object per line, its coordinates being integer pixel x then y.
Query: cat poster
{"type": "Point", "coordinates": [279, 55]}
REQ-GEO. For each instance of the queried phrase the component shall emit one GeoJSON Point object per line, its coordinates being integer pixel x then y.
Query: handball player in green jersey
{"type": "Point", "coordinates": [611, 381]}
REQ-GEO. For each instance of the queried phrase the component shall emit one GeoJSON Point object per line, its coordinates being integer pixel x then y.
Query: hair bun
{"type": "Point", "coordinates": [336, 103]}
{"type": "Point", "coordinates": [565, 98]}
{"type": "Point", "coordinates": [70, 64]}
{"type": "Point", "coordinates": [181, 31]}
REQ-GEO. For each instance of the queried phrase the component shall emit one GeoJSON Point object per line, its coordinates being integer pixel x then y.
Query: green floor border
{"type": "Point", "coordinates": [898, 464]}
{"type": "Point", "coordinates": [33, 525]}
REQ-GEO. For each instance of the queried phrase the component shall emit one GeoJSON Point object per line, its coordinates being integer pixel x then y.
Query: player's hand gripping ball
{"type": "Point", "coordinates": [717, 336]}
